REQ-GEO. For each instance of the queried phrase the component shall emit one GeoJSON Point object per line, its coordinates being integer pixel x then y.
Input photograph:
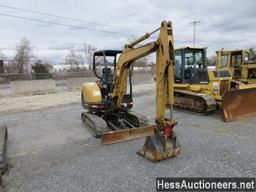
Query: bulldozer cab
{"type": "Point", "coordinates": [232, 61]}
{"type": "Point", "coordinates": [192, 73]}
{"type": "Point", "coordinates": [236, 63]}
{"type": "Point", "coordinates": [241, 63]}
{"type": "Point", "coordinates": [190, 66]}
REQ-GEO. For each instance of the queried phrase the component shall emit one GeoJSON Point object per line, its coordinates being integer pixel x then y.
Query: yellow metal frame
{"type": "Point", "coordinates": [164, 48]}
{"type": "Point", "coordinates": [245, 65]}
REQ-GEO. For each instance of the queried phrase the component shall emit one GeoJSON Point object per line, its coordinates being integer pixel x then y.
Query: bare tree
{"type": "Point", "coordinates": [23, 56]}
{"type": "Point", "coordinates": [1, 55]}
{"type": "Point", "coordinates": [74, 60]}
{"type": "Point", "coordinates": [1, 62]}
{"type": "Point", "coordinates": [88, 51]}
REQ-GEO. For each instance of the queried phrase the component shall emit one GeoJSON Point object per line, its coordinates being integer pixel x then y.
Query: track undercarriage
{"type": "Point", "coordinates": [195, 102]}
{"type": "Point", "coordinates": [99, 123]}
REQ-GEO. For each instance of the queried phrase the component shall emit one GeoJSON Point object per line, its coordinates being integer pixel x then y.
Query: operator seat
{"type": "Point", "coordinates": [107, 76]}
{"type": "Point", "coordinates": [106, 81]}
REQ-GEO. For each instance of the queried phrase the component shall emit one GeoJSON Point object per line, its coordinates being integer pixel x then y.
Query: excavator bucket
{"type": "Point", "coordinates": [238, 104]}
{"type": "Point", "coordinates": [157, 148]}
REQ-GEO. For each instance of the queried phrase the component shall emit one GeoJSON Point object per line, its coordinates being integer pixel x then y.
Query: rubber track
{"type": "Point", "coordinates": [94, 124]}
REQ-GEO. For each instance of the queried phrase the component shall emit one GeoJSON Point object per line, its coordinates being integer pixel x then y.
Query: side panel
{"type": "Point", "coordinates": [91, 93]}
{"type": "Point", "coordinates": [218, 85]}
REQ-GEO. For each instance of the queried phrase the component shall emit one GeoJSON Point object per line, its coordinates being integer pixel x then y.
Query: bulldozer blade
{"type": "Point", "coordinates": [238, 104]}
{"type": "Point", "coordinates": [127, 134]}
{"type": "Point", "coordinates": [157, 148]}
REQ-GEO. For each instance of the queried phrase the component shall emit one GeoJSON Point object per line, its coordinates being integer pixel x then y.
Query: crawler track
{"type": "Point", "coordinates": [194, 102]}
{"type": "Point", "coordinates": [100, 124]}
{"type": "Point", "coordinates": [94, 124]}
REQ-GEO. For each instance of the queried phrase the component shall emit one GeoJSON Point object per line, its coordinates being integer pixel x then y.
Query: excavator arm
{"type": "Point", "coordinates": [163, 143]}
{"type": "Point", "coordinates": [124, 64]}
{"type": "Point", "coordinates": [163, 47]}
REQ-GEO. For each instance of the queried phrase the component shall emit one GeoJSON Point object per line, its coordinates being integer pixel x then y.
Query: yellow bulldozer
{"type": "Point", "coordinates": [108, 101]}
{"type": "Point", "coordinates": [201, 89]}
{"type": "Point", "coordinates": [241, 63]}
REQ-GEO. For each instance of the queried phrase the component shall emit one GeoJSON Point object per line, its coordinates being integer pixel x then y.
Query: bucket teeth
{"type": "Point", "coordinates": [157, 148]}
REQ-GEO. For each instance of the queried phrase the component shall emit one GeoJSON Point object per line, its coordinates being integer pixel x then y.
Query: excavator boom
{"type": "Point", "coordinates": [161, 141]}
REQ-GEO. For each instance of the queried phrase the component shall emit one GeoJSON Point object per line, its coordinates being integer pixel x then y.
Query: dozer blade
{"type": "Point", "coordinates": [238, 104]}
{"type": "Point", "coordinates": [157, 148]}
{"type": "Point", "coordinates": [127, 134]}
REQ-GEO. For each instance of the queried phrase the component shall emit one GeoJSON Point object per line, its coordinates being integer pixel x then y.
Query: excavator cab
{"type": "Point", "coordinates": [104, 70]}
{"type": "Point", "coordinates": [104, 67]}
{"type": "Point", "coordinates": [106, 60]}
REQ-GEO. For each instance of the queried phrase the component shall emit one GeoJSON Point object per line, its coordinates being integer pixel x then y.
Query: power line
{"type": "Point", "coordinates": [70, 18]}
{"type": "Point", "coordinates": [74, 26]}
{"type": "Point", "coordinates": [64, 17]}
{"type": "Point", "coordinates": [66, 25]}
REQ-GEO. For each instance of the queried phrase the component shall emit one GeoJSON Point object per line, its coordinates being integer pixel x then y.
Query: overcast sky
{"type": "Point", "coordinates": [223, 23]}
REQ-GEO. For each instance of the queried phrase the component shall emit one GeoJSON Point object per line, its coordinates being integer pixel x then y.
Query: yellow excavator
{"type": "Point", "coordinates": [108, 101]}
{"type": "Point", "coordinates": [203, 90]}
{"type": "Point", "coordinates": [241, 63]}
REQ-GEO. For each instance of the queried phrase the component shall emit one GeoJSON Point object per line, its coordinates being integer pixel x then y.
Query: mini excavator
{"type": "Point", "coordinates": [108, 101]}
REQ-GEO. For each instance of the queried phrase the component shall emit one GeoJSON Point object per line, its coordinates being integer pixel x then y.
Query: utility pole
{"type": "Point", "coordinates": [194, 23]}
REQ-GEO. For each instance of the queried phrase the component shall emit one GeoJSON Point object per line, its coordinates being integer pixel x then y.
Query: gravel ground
{"type": "Point", "coordinates": [50, 150]}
